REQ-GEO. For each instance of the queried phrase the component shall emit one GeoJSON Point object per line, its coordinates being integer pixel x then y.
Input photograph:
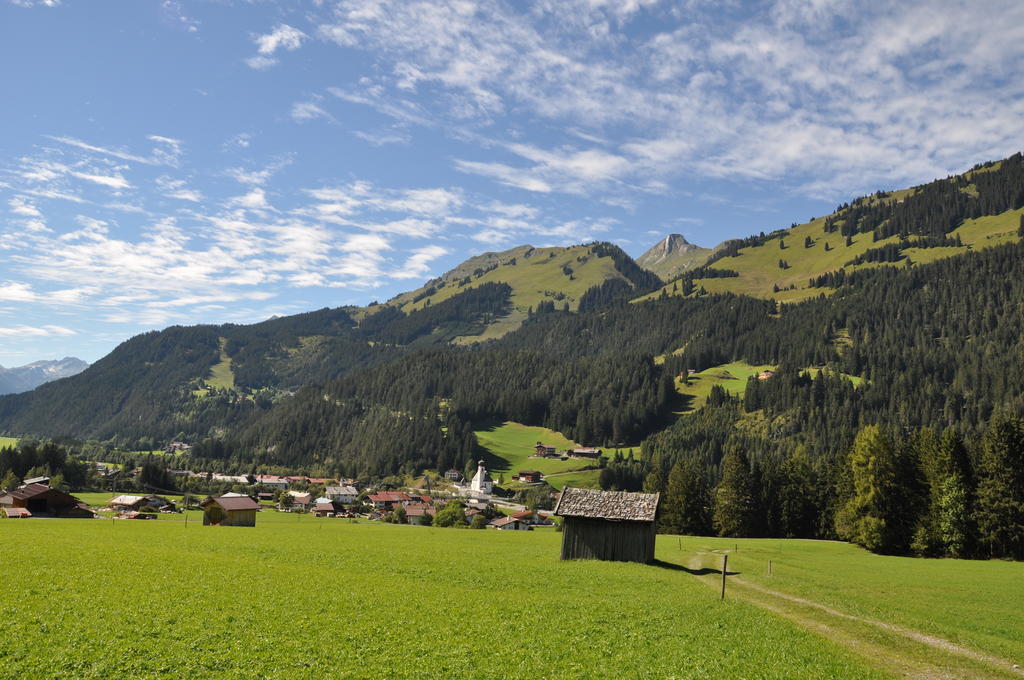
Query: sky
{"type": "Point", "coordinates": [205, 161]}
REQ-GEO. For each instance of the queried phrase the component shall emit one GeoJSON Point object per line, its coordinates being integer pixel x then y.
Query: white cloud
{"type": "Point", "coordinates": [21, 206]}
{"type": "Point", "coordinates": [34, 331]}
{"type": "Point", "coordinates": [254, 200]}
{"type": "Point", "coordinates": [303, 111]}
{"type": "Point", "coordinates": [282, 37]}
{"type": "Point", "coordinates": [418, 264]}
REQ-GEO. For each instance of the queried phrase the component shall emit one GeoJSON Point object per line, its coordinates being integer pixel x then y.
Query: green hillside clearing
{"type": "Point", "coordinates": [8, 441]}
{"type": "Point", "coordinates": [510, 446]}
{"type": "Point", "coordinates": [731, 377]}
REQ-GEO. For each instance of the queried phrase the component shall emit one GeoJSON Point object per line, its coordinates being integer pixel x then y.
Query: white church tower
{"type": "Point", "coordinates": [481, 480]}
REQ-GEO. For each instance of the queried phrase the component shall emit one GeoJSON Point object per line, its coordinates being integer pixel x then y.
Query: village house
{"type": "Point", "coordinates": [177, 447]}
{"type": "Point", "coordinates": [417, 513]}
{"type": "Point", "coordinates": [509, 524]}
{"type": "Point", "coordinates": [229, 479]}
{"type": "Point", "coordinates": [300, 500]}
{"type": "Point", "coordinates": [41, 500]}
{"type": "Point", "coordinates": [585, 452]}
{"type": "Point", "coordinates": [529, 477]}
{"type": "Point", "coordinates": [229, 510]}
{"type": "Point", "coordinates": [346, 495]}
{"type": "Point", "coordinates": [37, 480]}
{"type": "Point", "coordinates": [454, 475]}
{"type": "Point", "coordinates": [607, 525]}
{"type": "Point", "coordinates": [323, 507]}
{"type": "Point", "coordinates": [126, 502]}
{"type": "Point", "coordinates": [532, 518]}
{"type": "Point", "coordinates": [766, 375]}
{"type": "Point", "coordinates": [542, 451]}
{"type": "Point", "coordinates": [273, 481]}
{"type": "Point", "coordinates": [386, 500]}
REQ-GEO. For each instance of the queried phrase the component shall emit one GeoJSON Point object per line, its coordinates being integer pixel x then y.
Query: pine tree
{"type": "Point", "coordinates": [686, 501]}
{"type": "Point", "coordinates": [865, 518]}
{"type": "Point", "coordinates": [9, 482]}
{"type": "Point", "coordinates": [734, 497]}
{"type": "Point", "coordinates": [796, 496]}
{"type": "Point", "coordinates": [1000, 509]}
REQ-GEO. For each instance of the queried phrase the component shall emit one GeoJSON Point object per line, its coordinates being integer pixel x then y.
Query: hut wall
{"type": "Point", "coordinates": [595, 539]}
{"type": "Point", "coordinates": [240, 518]}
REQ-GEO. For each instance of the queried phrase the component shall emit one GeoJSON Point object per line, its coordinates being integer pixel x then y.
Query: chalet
{"type": "Point", "coordinates": [529, 477]}
{"type": "Point", "coordinates": [177, 447]}
{"type": "Point", "coordinates": [323, 507]}
{"type": "Point", "coordinates": [417, 513]}
{"type": "Point", "coordinates": [510, 524]}
{"type": "Point", "coordinates": [232, 510]}
{"type": "Point", "coordinates": [128, 502]}
{"type": "Point", "coordinates": [42, 500]}
{"type": "Point", "coordinates": [454, 476]}
{"type": "Point", "coordinates": [17, 513]}
{"type": "Point", "coordinates": [766, 375]}
{"type": "Point", "coordinates": [585, 452]}
{"type": "Point", "coordinates": [346, 495]}
{"type": "Point", "coordinates": [230, 479]}
{"type": "Point", "coordinates": [272, 481]}
{"type": "Point", "coordinates": [607, 525]}
{"type": "Point", "coordinates": [37, 480]}
{"type": "Point", "coordinates": [542, 451]}
{"type": "Point", "coordinates": [386, 500]}
{"type": "Point", "coordinates": [265, 497]}
{"type": "Point", "coordinates": [532, 518]}
{"type": "Point", "coordinates": [301, 501]}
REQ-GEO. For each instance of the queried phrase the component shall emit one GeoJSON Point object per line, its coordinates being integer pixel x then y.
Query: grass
{"type": "Point", "coordinates": [535, 276]}
{"type": "Point", "coordinates": [760, 272]}
{"type": "Point", "coordinates": [6, 442]}
{"type": "Point", "coordinates": [328, 598]}
{"type": "Point", "coordinates": [510, 446]}
{"type": "Point", "coordinates": [975, 604]}
{"type": "Point", "coordinates": [731, 377]}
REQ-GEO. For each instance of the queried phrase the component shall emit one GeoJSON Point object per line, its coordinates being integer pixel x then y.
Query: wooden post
{"type": "Point", "coordinates": [725, 568]}
{"type": "Point", "coordinates": [769, 567]}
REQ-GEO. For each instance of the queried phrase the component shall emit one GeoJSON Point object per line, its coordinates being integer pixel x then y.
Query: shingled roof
{"type": "Point", "coordinates": [233, 503]}
{"type": "Point", "coordinates": [610, 505]}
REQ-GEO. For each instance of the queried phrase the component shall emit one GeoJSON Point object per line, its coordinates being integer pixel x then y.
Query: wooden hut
{"type": "Point", "coordinates": [229, 511]}
{"type": "Point", "coordinates": [607, 525]}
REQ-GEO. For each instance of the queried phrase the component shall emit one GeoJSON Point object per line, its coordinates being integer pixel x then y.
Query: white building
{"type": "Point", "coordinates": [346, 495]}
{"type": "Point", "coordinates": [481, 480]}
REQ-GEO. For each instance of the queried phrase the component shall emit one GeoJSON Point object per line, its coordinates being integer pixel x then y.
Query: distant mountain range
{"type": "Point", "coordinates": [31, 376]}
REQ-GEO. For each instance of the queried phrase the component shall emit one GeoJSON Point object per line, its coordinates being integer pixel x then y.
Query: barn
{"type": "Point", "coordinates": [607, 525]}
{"type": "Point", "coordinates": [40, 500]}
{"type": "Point", "coordinates": [229, 511]}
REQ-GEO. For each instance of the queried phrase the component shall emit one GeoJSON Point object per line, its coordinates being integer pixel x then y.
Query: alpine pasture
{"type": "Point", "coordinates": [329, 598]}
{"type": "Point", "coordinates": [333, 598]}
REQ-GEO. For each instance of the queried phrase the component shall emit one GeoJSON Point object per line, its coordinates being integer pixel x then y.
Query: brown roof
{"type": "Point", "coordinates": [504, 521]}
{"type": "Point", "coordinates": [234, 503]}
{"type": "Point", "coordinates": [612, 505]}
{"type": "Point", "coordinates": [31, 491]}
{"type": "Point", "coordinates": [324, 507]}
{"type": "Point", "coordinates": [17, 512]}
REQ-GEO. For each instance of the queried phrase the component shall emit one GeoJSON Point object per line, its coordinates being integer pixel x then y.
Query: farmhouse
{"type": "Point", "coordinates": [509, 524]}
{"type": "Point", "coordinates": [542, 451]}
{"type": "Point", "coordinates": [385, 500]}
{"type": "Point", "coordinates": [529, 476]}
{"type": "Point", "coordinates": [301, 501]}
{"type": "Point", "coordinates": [42, 500]}
{"type": "Point", "coordinates": [17, 513]}
{"type": "Point", "coordinates": [346, 495]}
{"type": "Point", "coordinates": [585, 452]}
{"type": "Point", "coordinates": [417, 513]}
{"type": "Point", "coordinates": [323, 507]}
{"type": "Point", "coordinates": [453, 475]}
{"type": "Point", "coordinates": [273, 481]}
{"type": "Point", "coordinates": [766, 375]}
{"type": "Point", "coordinates": [607, 525]}
{"type": "Point", "coordinates": [229, 511]}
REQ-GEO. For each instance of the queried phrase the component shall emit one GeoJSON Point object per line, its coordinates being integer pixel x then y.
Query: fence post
{"type": "Point", "coordinates": [725, 568]}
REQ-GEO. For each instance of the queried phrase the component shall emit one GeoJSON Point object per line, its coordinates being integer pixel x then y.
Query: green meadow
{"type": "Point", "coordinates": [8, 441]}
{"type": "Point", "coordinates": [510, 446]}
{"type": "Point", "coordinates": [330, 598]}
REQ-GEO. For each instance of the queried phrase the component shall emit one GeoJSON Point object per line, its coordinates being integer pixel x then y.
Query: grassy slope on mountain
{"type": "Point", "coordinates": [510, 446]}
{"type": "Point", "coordinates": [536, 275]}
{"type": "Point", "coordinates": [760, 272]}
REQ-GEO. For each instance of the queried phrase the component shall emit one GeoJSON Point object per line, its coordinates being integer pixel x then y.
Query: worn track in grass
{"type": "Point", "coordinates": [895, 649]}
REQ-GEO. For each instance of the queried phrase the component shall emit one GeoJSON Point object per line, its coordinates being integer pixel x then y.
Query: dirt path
{"type": "Point", "coordinates": [899, 650]}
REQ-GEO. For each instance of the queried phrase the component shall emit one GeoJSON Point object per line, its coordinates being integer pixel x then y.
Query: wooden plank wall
{"type": "Point", "coordinates": [592, 539]}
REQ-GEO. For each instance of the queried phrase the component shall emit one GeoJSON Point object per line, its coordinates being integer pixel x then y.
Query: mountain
{"type": "Point", "coordinates": [186, 382]}
{"type": "Point", "coordinates": [909, 318]}
{"type": "Point", "coordinates": [537, 277]}
{"type": "Point", "coordinates": [979, 209]}
{"type": "Point", "coordinates": [673, 255]}
{"type": "Point", "coordinates": [31, 376]}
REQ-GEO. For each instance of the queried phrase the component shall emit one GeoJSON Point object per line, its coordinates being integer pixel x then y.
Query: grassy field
{"type": "Point", "coordinates": [510, 446]}
{"type": "Point", "coordinates": [329, 598]}
{"type": "Point", "coordinates": [896, 603]}
{"type": "Point", "coordinates": [8, 441]}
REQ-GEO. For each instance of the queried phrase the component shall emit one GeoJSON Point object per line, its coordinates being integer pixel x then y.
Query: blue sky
{"type": "Point", "coordinates": [202, 161]}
